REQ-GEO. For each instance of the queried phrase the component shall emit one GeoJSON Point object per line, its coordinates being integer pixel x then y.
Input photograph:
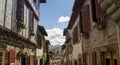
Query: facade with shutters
{"type": "Point", "coordinates": [99, 28]}
{"type": "Point", "coordinates": [41, 33]}
{"type": "Point", "coordinates": [18, 31]}
{"type": "Point", "coordinates": [73, 45]}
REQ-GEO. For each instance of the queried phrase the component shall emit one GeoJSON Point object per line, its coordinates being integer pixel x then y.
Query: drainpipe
{"type": "Point", "coordinates": [118, 37]}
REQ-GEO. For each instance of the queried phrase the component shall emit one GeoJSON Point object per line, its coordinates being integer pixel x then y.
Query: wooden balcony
{"type": "Point", "coordinates": [112, 8]}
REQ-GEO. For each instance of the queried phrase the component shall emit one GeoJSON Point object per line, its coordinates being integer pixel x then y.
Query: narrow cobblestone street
{"type": "Point", "coordinates": [59, 32]}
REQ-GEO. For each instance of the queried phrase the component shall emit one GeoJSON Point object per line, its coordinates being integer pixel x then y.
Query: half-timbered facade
{"type": "Point", "coordinates": [18, 31]}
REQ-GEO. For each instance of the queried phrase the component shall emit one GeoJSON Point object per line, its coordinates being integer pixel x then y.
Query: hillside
{"type": "Point", "coordinates": [56, 47]}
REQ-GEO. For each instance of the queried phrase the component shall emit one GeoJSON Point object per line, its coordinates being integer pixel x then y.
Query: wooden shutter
{"type": "Point", "coordinates": [75, 34]}
{"type": "Point", "coordinates": [20, 10]}
{"type": "Point", "coordinates": [94, 60]}
{"type": "Point", "coordinates": [86, 27]}
{"type": "Point", "coordinates": [35, 60]}
{"type": "Point", "coordinates": [31, 20]}
{"type": "Point", "coordinates": [11, 56]}
{"type": "Point", "coordinates": [99, 12]}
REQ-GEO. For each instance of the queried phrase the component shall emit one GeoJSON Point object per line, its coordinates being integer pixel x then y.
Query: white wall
{"type": "Point", "coordinates": [2, 8]}
{"type": "Point", "coordinates": [10, 22]}
{"type": "Point", "coordinates": [8, 14]}
{"type": "Point", "coordinates": [77, 47]}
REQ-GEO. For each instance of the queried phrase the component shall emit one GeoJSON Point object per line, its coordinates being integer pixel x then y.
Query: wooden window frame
{"type": "Point", "coordinates": [98, 14]}
{"type": "Point", "coordinates": [75, 35]}
{"type": "Point", "coordinates": [86, 24]}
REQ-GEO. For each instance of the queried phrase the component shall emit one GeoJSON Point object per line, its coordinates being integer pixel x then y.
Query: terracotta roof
{"type": "Point", "coordinates": [42, 30]}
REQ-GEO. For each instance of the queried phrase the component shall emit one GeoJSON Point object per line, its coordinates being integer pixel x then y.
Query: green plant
{"type": "Point", "coordinates": [21, 24]}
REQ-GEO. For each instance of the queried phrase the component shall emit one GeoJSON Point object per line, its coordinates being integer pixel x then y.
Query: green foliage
{"type": "Point", "coordinates": [21, 24]}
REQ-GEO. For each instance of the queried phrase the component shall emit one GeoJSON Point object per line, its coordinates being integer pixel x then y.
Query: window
{"type": "Point", "coordinates": [75, 35]}
{"type": "Point", "coordinates": [20, 10]}
{"type": "Point", "coordinates": [97, 12]}
{"type": "Point", "coordinates": [31, 23]}
{"type": "Point", "coordinates": [107, 61]}
{"type": "Point", "coordinates": [115, 62]}
{"type": "Point", "coordinates": [93, 11]}
{"type": "Point", "coordinates": [31, 20]}
{"type": "Point", "coordinates": [39, 39]}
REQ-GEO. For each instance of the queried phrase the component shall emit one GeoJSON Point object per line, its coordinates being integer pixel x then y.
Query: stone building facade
{"type": "Point", "coordinates": [99, 31]}
{"type": "Point", "coordinates": [18, 31]}
{"type": "Point", "coordinates": [41, 33]}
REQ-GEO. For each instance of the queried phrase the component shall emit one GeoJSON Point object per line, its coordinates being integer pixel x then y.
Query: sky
{"type": "Point", "coordinates": [54, 16]}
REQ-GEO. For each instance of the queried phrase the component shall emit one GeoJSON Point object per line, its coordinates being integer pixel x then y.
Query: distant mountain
{"type": "Point", "coordinates": [55, 47]}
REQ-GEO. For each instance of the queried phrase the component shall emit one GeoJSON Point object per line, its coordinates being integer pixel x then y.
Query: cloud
{"type": "Point", "coordinates": [63, 19]}
{"type": "Point", "coordinates": [55, 36]}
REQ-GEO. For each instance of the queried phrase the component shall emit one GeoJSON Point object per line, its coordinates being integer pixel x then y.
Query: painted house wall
{"type": "Point", "coordinates": [2, 10]}
{"type": "Point", "coordinates": [77, 47]}
{"type": "Point", "coordinates": [10, 18]}
{"type": "Point", "coordinates": [33, 38]}
{"type": "Point", "coordinates": [99, 39]}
